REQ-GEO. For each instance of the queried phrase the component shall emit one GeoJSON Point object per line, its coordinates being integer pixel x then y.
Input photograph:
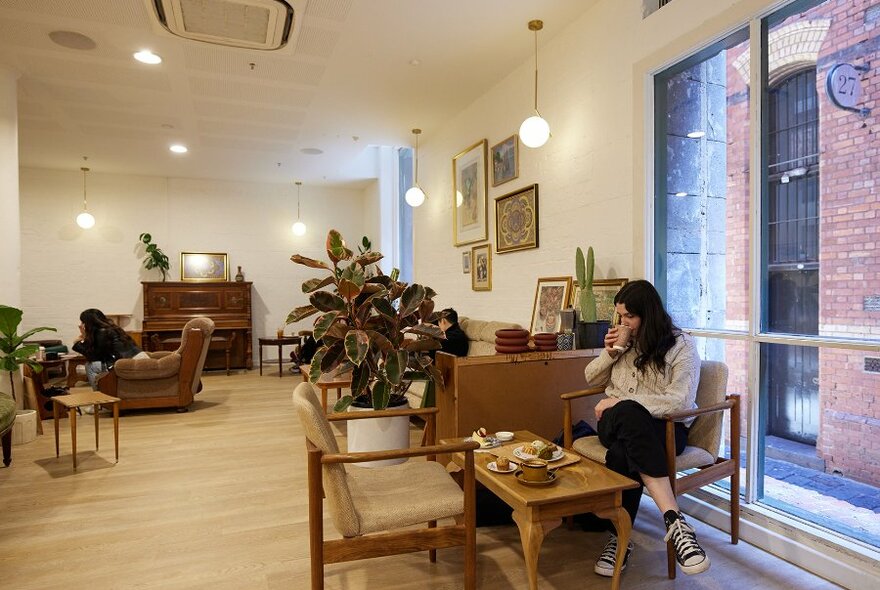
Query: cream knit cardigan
{"type": "Point", "coordinates": [659, 394]}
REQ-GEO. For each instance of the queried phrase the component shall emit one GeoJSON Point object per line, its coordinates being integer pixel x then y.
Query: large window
{"type": "Point", "coordinates": [812, 321]}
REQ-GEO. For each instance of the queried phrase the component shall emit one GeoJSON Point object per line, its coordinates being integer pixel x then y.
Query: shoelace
{"type": "Point", "coordinates": [609, 555]}
{"type": "Point", "coordinates": [684, 539]}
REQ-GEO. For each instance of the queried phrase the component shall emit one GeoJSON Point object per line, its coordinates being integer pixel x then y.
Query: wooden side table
{"type": "Point", "coordinates": [76, 400]}
{"type": "Point", "coordinates": [280, 343]}
{"type": "Point", "coordinates": [327, 382]}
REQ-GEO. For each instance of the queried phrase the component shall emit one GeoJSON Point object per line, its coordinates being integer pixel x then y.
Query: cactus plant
{"type": "Point", "coordinates": [584, 272]}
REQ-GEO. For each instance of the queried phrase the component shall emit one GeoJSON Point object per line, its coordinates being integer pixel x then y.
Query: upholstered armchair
{"type": "Point", "coordinates": [166, 379]}
{"type": "Point", "coordinates": [700, 463]}
{"type": "Point", "coordinates": [375, 508]}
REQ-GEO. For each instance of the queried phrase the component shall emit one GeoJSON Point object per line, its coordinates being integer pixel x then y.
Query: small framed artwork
{"type": "Point", "coordinates": [469, 188]}
{"type": "Point", "coordinates": [516, 220]}
{"type": "Point", "coordinates": [604, 290]}
{"type": "Point", "coordinates": [466, 262]}
{"type": "Point", "coordinates": [505, 160]}
{"type": "Point", "coordinates": [481, 277]}
{"type": "Point", "coordinates": [203, 267]}
{"type": "Point", "coordinates": [551, 297]}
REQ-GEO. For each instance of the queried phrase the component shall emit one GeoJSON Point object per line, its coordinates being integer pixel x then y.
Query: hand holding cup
{"type": "Point", "coordinates": [622, 339]}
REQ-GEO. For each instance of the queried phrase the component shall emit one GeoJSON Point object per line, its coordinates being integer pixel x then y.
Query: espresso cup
{"type": "Point", "coordinates": [534, 470]}
{"type": "Point", "coordinates": [624, 333]}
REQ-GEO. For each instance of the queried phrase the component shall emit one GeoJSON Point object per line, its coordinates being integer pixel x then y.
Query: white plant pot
{"type": "Point", "coordinates": [378, 434]}
{"type": "Point", "coordinates": [24, 429]}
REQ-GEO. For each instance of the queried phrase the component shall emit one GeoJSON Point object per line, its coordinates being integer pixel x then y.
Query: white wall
{"type": "Point", "coordinates": [591, 172]}
{"type": "Point", "coordinates": [66, 269]}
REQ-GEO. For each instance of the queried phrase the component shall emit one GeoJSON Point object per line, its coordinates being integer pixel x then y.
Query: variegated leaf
{"type": "Point", "coordinates": [395, 365]}
{"type": "Point", "coordinates": [315, 284]}
{"type": "Point", "coordinates": [384, 307]}
{"type": "Point", "coordinates": [421, 345]}
{"type": "Point", "coordinates": [411, 299]}
{"type": "Point", "coordinates": [381, 395]}
{"type": "Point", "coordinates": [326, 301]}
{"type": "Point", "coordinates": [357, 343]}
{"type": "Point", "coordinates": [360, 379]}
{"type": "Point", "coordinates": [336, 249]}
{"type": "Point", "coordinates": [332, 357]}
{"type": "Point", "coordinates": [323, 324]}
{"type": "Point", "coordinates": [368, 258]}
{"type": "Point", "coordinates": [310, 262]}
{"type": "Point", "coordinates": [315, 367]}
{"type": "Point", "coordinates": [342, 403]}
{"type": "Point", "coordinates": [380, 342]}
{"type": "Point", "coordinates": [301, 313]}
{"type": "Point", "coordinates": [429, 330]}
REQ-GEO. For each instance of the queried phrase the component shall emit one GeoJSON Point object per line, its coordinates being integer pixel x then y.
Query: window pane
{"type": "Point", "coordinates": [702, 189]}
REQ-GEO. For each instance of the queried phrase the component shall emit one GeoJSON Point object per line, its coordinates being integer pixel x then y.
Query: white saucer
{"type": "Point", "coordinates": [491, 466]}
{"type": "Point", "coordinates": [504, 435]}
{"type": "Point", "coordinates": [518, 452]}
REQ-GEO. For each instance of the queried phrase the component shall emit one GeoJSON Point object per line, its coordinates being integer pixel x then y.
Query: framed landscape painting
{"type": "Point", "coordinates": [481, 275]}
{"type": "Point", "coordinates": [516, 220]}
{"type": "Point", "coordinates": [604, 290]}
{"type": "Point", "coordinates": [505, 160]}
{"type": "Point", "coordinates": [551, 297]}
{"type": "Point", "coordinates": [203, 267]}
{"type": "Point", "coordinates": [469, 188]}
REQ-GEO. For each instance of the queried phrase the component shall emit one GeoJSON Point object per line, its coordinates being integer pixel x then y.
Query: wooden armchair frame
{"type": "Point", "coordinates": [400, 541]}
{"type": "Point", "coordinates": [685, 482]}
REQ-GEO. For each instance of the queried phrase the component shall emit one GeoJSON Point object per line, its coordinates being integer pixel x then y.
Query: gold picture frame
{"type": "Point", "coordinates": [516, 220]}
{"type": "Point", "coordinates": [469, 189]}
{"type": "Point", "coordinates": [481, 273]}
{"type": "Point", "coordinates": [551, 296]}
{"type": "Point", "coordinates": [505, 160]}
{"type": "Point", "coordinates": [604, 290]}
{"type": "Point", "coordinates": [204, 267]}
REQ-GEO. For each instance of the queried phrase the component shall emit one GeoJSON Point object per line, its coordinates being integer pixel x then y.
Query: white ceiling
{"type": "Point", "coordinates": [343, 84]}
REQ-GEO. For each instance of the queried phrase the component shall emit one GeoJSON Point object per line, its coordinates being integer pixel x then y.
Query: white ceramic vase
{"type": "Point", "coordinates": [378, 434]}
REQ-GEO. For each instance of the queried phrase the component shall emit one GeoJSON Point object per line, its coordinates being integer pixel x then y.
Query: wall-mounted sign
{"type": "Point", "coordinates": [844, 86]}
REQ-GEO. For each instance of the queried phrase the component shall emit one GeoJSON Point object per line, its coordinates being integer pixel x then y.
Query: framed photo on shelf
{"type": "Point", "coordinates": [481, 276]}
{"type": "Point", "coordinates": [469, 188]}
{"type": "Point", "coordinates": [604, 290]}
{"type": "Point", "coordinates": [505, 160]}
{"type": "Point", "coordinates": [516, 220]}
{"type": "Point", "coordinates": [466, 262]}
{"type": "Point", "coordinates": [203, 267]}
{"type": "Point", "coordinates": [551, 297]}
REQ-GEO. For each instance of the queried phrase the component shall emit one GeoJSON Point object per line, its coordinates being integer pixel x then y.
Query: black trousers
{"type": "Point", "coordinates": [636, 443]}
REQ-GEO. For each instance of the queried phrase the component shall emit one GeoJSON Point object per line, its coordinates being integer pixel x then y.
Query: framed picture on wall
{"type": "Point", "coordinates": [505, 160]}
{"type": "Point", "coordinates": [516, 220]}
{"type": "Point", "coordinates": [203, 267]}
{"type": "Point", "coordinates": [466, 262]}
{"type": "Point", "coordinates": [469, 188]}
{"type": "Point", "coordinates": [604, 290]}
{"type": "Point", "coordinates": [551, 297]}
{"type": "Point", "coordinates": [481, 277]}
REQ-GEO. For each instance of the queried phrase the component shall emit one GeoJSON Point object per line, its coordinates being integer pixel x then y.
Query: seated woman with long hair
{"type": "Point", "coordinates": [102, 342]}
{"type": "Point", "coordinates": [657, 373]}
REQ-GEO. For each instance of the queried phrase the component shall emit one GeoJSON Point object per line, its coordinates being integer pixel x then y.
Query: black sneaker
{"type": "Point", "coordinates": [605, 563]}
{"type": "Point", "coordinates": [690, 556]}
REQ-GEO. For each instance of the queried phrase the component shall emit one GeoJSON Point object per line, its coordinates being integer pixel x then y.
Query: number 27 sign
{"type": "Point", "coordinates": [844, 86]}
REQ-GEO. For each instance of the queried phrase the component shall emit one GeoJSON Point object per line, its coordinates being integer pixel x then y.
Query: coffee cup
{"type": "Point", "coordinates": [624, 333]}
{"type": "Point", "coordinates": [280, 333]}
{"type": "Point", "coordinates": [534, 470]}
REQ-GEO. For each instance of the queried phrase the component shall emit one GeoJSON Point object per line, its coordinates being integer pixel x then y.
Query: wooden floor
{"type": "Point", "coordinates": [216, 498]}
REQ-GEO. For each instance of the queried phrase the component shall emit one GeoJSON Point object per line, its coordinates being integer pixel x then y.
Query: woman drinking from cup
{"type": "Point", "coordinates": [653, 374]}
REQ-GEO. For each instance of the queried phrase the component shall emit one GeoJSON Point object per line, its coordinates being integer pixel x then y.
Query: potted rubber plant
{"type": "Point", "coordinates": [153, 256]}
{"type": "Point", "coordinates": [373, 326]}
{"type": "Point", "coordinates": [590, 330]}
{"type": "Point", "coordinates": [15, 352]}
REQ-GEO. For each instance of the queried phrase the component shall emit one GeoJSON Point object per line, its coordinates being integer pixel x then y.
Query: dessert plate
{"type": "Point", "coordinates": [491, 466]}
{"type": "Point", "coordinates": [518, 452]}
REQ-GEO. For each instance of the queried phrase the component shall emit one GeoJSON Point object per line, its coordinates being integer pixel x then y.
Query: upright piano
{"type": "Point", "coordinates": [169, 305]}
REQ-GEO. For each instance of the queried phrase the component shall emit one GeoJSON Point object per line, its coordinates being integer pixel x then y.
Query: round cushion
{"type": "Point", "coordinates": [511, 333]}
{"type": "Point", "coordinates": [511, 349]}
{"type": "Point", "coordinates": [512, 341]}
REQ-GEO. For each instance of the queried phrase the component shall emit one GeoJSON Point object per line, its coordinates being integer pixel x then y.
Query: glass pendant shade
{"type": "Point", "coordinates": [535, 131]}
{"type": "Point", "coordinates": [415, 196]}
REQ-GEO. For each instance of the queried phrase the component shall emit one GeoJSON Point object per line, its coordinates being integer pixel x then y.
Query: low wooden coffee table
{"type": "Point", "coordinates": [585, 486]}
{"type": "Point", "coordinates": [76, 400]}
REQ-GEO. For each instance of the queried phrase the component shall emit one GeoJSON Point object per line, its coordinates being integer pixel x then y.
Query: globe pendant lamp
{"type": "Point", "coordinates": [85, 219]}
{"type": "Point", "coordinates": [415, 196]}
{"type": "Point", "coordinates": [298, 227]}
{"type": "Point", "coordinates": [535, 131]}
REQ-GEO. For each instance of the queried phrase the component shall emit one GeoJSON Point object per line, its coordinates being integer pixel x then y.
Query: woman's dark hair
{"type": "Point", "coordinates": [95, 320]}
{"type": "Point", "coordinates": [657, 333]}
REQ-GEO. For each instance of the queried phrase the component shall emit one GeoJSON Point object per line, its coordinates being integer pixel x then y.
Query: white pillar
{"type": "Point", "coordinates": [10, 224]}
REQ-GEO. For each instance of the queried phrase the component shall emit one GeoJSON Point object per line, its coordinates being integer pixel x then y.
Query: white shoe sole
{"type": "Point", "coordinates": [695, 569]}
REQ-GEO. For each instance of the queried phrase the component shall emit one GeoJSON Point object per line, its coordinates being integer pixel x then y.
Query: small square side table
{"type": "Point", "coordinates": [76, 400]}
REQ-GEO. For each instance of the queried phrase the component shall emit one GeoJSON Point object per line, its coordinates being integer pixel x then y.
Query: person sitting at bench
{"type": "Point", "coordinates": [102, 342]}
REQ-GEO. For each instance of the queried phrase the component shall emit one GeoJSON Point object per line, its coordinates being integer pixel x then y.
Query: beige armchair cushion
{"type": "Point", "coordinates": [155, 367]}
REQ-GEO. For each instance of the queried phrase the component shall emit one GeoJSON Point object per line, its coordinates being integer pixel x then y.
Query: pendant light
{"type": "Point", "coordinates": [415, 196]}
{"type": "Point", "coordinates": [85, 219]}
{"type": "Point", "coordinates": [535, 131]}
{"type": "Point", "coordinates": [298, 227]}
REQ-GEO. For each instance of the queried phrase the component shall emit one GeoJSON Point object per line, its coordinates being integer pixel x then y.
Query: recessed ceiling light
{"type": "Point", "coordinates": [178, 148]}
{"type": "Point", "coordinates": [696, 134]}
{"type": "Point", "coordinates": [72, 40]}
{"type": "Point", "coordinates": [681, 194]}
{"type": "Point", "coordinates": [167, 126]}
{"type": "Point", "coordinates": [415, 62]}
{"type": "Point", "coordinates": [147, 57]}
{"type": "Point", "coordinates": [312, 151]}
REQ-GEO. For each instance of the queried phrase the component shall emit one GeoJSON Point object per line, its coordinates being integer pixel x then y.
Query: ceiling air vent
{"type": "Point", "coordinates": [252, 24]}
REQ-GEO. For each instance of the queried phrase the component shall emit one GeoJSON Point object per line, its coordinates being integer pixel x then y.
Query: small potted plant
{"type": "Point", "coordinates": [154, 257]}
{"type": "Point", "coordinates": [590, 330]}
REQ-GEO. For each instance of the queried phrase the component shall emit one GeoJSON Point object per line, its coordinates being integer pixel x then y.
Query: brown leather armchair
{"type": "Point", "coordinates": [166, 379]}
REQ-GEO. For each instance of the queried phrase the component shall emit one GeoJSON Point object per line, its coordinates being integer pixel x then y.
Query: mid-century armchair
{"type": "Point", "coordinates": [702, 450]}
{"type": "Point", "coordinates": [371, 506]}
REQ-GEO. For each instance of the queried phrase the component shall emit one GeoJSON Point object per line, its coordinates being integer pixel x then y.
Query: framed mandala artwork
{"type": "Point", "coordinates": [516, 220]}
